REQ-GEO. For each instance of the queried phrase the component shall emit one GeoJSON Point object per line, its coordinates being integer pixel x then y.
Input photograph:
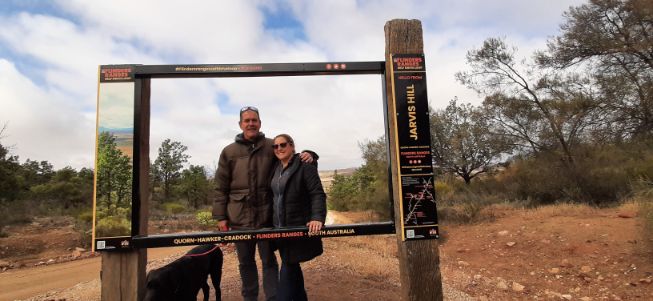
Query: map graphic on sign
{"type": "Point", "coordinates": [419, 201]}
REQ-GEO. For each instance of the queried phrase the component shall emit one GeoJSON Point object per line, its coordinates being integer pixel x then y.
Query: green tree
{"type": "Point", "coordinates": [195, 185]}
{"type": "Point", "coordinates": [9, 168]}
{"type": "Point", "coordinates": [68, 188]}
{"type": "Point", "coordinates": [367, 187]}
{"type": "Point", "coordinates": [169, 163]}
{"type": "Point", "coordinates": [114, 174]}
{"type": "Point", "coordinates": [462, 141]}
{"type": "Point", "coordinates": [613, 41]}
{"type": "Point", "coordinates": [540, 110]}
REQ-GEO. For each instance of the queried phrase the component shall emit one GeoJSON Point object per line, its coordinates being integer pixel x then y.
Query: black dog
{"type": "Point", "coordinates": [182, 279]}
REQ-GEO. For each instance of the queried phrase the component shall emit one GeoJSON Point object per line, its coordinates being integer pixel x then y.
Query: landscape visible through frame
{"type": "Point", "coordinates": [113, 166]}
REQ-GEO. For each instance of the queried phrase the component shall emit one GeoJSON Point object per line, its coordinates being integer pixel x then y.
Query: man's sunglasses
{"type": "Point", "coordinates": [280, 145]}
{"type": "Point", "coordinates": [248, 108]}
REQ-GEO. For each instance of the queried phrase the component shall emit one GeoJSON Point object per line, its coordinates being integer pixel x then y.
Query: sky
{"type": "Point", "coordinates": [50, 52]}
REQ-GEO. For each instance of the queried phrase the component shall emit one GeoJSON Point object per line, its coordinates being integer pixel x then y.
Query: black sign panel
{"type": "Point", "coordinates": [419, 214]}
{"type": "Point", "coordinates": [116, 73]}
{"type": "Point", "coordinates": [412, 115]}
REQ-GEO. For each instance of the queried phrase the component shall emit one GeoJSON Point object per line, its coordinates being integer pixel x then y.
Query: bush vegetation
{"type": "Point", "coordinates": [205, 219]}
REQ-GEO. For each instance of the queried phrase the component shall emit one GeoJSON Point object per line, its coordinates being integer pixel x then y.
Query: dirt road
{"type": "Point", "coordinates": [24, 283]}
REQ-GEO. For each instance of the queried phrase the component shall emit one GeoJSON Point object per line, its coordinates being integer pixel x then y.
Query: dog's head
{"type": "Point", "coordinates": [161, 285]}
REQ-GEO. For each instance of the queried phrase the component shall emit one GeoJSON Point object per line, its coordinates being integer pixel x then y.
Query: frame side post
{"type": "Point", "coordinates": [419, 260]}
{"type": "Point", "coordinates": [123, 273]}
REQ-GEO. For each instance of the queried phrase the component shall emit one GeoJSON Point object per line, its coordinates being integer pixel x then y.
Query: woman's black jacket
{"type": "Point", "coordinates": [304, 200]}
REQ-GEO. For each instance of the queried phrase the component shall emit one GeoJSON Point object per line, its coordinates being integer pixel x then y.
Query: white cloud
{"type": "Point", "coordinates": [41, 124]}
{"type": "Point", "coordinates": [328, 115]}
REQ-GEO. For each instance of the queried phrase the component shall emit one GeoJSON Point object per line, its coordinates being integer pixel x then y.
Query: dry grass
{"type": "Point", "coordinates": [642, 203]}
{"type": "Point", "coordinates": [562, 209]}
{"type": "Point", "coordinates": [373, 257]}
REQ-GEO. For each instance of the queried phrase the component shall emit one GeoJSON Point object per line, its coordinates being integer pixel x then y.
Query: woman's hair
{"type": "Point", "coordinates": [287, 137]}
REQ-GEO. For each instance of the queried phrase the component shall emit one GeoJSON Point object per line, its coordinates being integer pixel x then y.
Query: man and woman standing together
{"type": "Point", "coordinates": [261, 183]}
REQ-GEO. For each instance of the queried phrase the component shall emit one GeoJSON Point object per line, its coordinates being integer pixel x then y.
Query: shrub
{"type": "Point", "coordinates": [113, 226]}
{"type": "Point", "coordinates": [644, 194]}
{"type": "Point", "coordinates": [83, 225]}
{"type": "Point", "coordinates": [85, 216]}
{"type": "Point", "coordinates": [205, 219]}
{"type": "Point", "coordinates": [173, 208]}
{"type": "Point", "coordinates": [600, 175]}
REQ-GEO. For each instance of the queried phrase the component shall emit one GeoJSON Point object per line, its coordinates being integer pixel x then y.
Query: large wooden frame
{"type": "Point", "coordinates": [141, 76]}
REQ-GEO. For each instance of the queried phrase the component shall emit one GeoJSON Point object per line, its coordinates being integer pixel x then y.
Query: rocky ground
{"type": "Point", "coordinates": [560, 252]}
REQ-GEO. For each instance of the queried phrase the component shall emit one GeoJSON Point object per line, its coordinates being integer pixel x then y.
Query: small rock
{"type": "Point", "coordinates": [552, 293]}
{"type": "Point", "coordinates": [510, 243]}
{"type": "Point", "coordinates": [554, 270]}
{"type": "Point", "coordinates": [566, 296]}
{"type": "Point", "coordinates": [627, 214]}
{"type": "Point", "coordinates": [80, 249]}
{"type": "Point", "coordinates": [76, 254]}
{"type": "Point", "coordinates": [517, 287]}
{"type": "Point", "coordinates": [483, 298]}
{"type": "Point", "coordinates": [477, 277]}
{"type": "Point", "coordinates": [585, 298]}
{"type": "Point", "coordinates": [4, 264]}
{"type": "Point", "coordinates": [566, 264]}
{"type": "Point", "coordinates": [503, 233]}
{"type": "Point", "coordinates": [51, 261]}
{"type": "Point", "coordinates": [585, 269]}
{"type": "Point", "coordinates": [532, 273]}
{"type": "Point", "coordinates": [645, 280]}
{"type": "Point", "coordinates": [502, 285]}
{"type": "Point", "coordinates": [463, 263]}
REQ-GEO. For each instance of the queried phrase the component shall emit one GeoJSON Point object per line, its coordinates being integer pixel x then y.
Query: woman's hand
{"type": "Point", "coordinates": [314, 226]}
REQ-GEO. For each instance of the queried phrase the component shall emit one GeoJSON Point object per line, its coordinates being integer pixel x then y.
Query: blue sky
{"type": "Point", "coordinates": [50, 52]}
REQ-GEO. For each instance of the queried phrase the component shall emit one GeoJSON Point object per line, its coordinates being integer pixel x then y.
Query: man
{"type": "Point", "coordinates": [242, 200]}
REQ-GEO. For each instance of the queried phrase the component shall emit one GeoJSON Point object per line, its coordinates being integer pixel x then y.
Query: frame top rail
{"type": "Point", "coordinates": [255, 70]}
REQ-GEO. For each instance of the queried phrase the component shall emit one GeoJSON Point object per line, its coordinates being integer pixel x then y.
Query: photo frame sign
{"type": "Point", "coordinates": [123, 131]}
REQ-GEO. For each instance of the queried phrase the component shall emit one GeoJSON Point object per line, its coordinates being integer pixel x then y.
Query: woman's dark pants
{"type": "Point", "coordinates": [291, 283]}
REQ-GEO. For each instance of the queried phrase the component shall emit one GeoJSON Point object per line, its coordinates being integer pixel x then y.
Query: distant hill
{"type": "Point", "coordinates": [116, 130]}
{"type": "Point", "coordinates": [326, 176]}
{"type": "Point", "coordinates": [343, 171]}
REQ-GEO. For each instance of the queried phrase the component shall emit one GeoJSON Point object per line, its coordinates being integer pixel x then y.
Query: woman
{"type": "Point", "coordinates": [298, 200]}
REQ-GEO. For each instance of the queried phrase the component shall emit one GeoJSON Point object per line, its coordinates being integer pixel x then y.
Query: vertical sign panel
{"type": "Point", "coordinates": [112, 203]}
{"type": "Point", "coordinates": [418, 211]}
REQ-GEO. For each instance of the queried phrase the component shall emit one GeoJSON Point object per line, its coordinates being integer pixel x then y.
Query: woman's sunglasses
{"type": "Point", "coordinates": [280, 145]}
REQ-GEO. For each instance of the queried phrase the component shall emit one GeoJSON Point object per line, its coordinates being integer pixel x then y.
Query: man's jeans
{"type": "Point", "coordinates": [249, 271]}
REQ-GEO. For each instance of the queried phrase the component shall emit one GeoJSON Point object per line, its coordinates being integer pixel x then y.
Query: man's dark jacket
{"type": "Point", "coordinates": [243, 183]}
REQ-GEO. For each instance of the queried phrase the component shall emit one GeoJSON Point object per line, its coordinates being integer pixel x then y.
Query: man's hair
{"type": "Point", "coordinates": [248, 108]}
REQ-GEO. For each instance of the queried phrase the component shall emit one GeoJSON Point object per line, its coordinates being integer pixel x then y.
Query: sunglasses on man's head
{"type": "Point", "coordinates": [248, 108]}
{"type": "Point", "coordinates": [280, 145]}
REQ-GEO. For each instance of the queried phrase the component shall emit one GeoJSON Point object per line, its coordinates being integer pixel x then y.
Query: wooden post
{"type": "Point", "coordinates": [123, 273]}
{"type": "Point", "coordinates": [419, 260]}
